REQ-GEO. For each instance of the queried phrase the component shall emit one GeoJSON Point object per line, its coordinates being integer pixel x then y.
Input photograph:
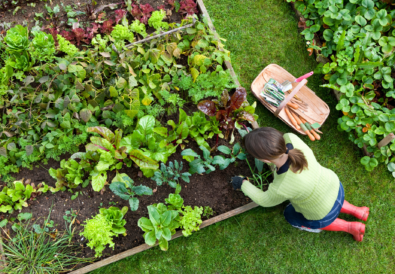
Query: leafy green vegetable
{"type": "Point", "coordinates": [123, 187]}
{"type": "Point", "coordinates": [100, 230]}
{"type": "Point", "coordinates": [236, 153]}
{"type": "Point", "coordinates": [198, 165]}
{"type": "Point", "coordinates": [156, 20]}
{"type": "Point", "coordinates": [66, 46]}
{"type": "Point", "coordinates": [121, 33]}
{"type": "Point", "coordinates": [170, 174]}
{"type": "Point", "coordinates": [191, 220]}
{"type": "Point", "coordinates": [44, 47]}
{"type": "Point", "coordinates": [160, 226]}
{"type": "Point", "coordinates": [138, 27]}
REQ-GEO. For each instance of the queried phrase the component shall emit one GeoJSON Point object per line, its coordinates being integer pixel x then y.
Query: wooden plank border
{"type": "Point", "coordinates": [228, 65]}
{"type": "Point", "coordinates": [144, 247]}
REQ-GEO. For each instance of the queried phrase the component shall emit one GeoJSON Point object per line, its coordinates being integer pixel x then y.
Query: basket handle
{"type": "Point", "coordinates": [289, 97]}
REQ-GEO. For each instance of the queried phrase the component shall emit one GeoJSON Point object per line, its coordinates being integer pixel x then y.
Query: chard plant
{"type": "Point", "coordinates": [123, 186]}
{"type": "Point", "coordinates": [15, 197]}
{"type": "Point", "coordinates": [229, 110]}
{"type": "Point", "coordinates": [171, 174]}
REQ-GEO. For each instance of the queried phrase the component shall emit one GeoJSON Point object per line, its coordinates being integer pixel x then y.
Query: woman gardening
{"type": "Point", "coordinates": [315, 192]}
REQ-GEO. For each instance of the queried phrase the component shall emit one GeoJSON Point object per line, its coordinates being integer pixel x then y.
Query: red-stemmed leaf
{"type": "Point", "coordinates": [238, 98]}
{"type": "Point", "coordinates": [207, 107]}
{"type": "Point", "coordinates": [107, 26]}
{"type": "Point", "coordinates": [244, 115]}
{"type": "Point", "coordinates": [119, 14]}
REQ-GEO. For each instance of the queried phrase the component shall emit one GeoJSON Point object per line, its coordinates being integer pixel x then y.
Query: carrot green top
{"type": "Point", "coordinates": [312, 192]}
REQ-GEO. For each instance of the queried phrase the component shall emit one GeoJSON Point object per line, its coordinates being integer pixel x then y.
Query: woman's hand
{"type": "Point", "coordinates": [237, 181]}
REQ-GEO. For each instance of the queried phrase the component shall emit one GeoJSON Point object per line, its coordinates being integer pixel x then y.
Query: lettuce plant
{"type": "Point", "coordinates": [100, 229]}
{"type": "Point", "coordinates": [44, 47]}
{"type": "Point", "coordinates": [156, 20]}
{"type": "Point", "coordinates": [121, 33]}
{"type": "Point", "coordinates": [160, 226]}
{"type": "Point", "coordinates": [138, 27]}
{"type": "Point", "coordinates": [170, 174]}
{"type": "Point", "coordinates": [66, 46]}
{"type": "Point", "coordinates": [122, 186]}
{"type": "Point", "coordinates": [191, 219]}
{"type": "Point", "coordinates": [69, 174]}
{"type": "Point", "coordinates": [17, 45]}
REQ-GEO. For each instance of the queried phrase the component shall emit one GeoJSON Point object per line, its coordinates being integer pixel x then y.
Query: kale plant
{"type": "Point", "coordinates": [122, 186]}
{"type": "Point", "coordinates": [170, 174]}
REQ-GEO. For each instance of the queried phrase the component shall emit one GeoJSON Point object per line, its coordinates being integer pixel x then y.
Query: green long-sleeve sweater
{"type": "Point", "coordinates": [312, 192]}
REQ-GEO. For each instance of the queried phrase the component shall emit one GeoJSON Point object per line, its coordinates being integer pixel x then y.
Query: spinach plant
{"type": "Point", "coordinates": [122, 186]}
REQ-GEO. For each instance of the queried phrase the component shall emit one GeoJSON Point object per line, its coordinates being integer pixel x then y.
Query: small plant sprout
{"type": "Point", "coordinates": [259, 177]}
{"type": "Point", "coordinates": [171, 174]}
{"type": "Point", "coordinates": [236, 153]}
{"type": "Point", "coordinates": [199, 165]}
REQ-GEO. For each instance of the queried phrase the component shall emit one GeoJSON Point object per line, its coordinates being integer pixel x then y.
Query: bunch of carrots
{"type": "Point", "coordinates": [300, 123]}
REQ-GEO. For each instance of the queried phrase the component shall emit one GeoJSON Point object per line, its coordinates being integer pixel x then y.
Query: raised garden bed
{"type": "Point", "coordinates": [211, 190]}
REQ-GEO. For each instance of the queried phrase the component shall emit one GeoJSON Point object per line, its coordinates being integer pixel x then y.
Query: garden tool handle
{"type": "Point", "coordinates": [307, 75]}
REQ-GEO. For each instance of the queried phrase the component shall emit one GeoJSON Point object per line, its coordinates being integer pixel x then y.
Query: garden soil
{"type": "Point", "coordinates": [212, 190]}
{"type": "Point", "coordinates": [27, 14]}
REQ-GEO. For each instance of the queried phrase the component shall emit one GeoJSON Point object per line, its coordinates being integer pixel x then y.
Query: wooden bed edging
{"type": "Point", "coordinates": [143, 247]}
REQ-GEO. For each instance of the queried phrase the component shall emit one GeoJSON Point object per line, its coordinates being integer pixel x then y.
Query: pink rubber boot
{"type": "Point", "coordinates": [357, 229]}
{"type": "Point", "coordinates": [361, 213]}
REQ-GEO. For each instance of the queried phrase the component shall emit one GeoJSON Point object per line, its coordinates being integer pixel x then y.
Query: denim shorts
{"type": "Point", "coordinates": [298, 220]}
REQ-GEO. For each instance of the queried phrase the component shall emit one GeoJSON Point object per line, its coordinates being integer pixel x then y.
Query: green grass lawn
{"type": "Point", "coordinates": [258, 33]}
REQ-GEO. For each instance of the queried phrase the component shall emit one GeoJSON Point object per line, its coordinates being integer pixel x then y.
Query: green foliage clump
{"type": "Point", "coordinates": [44, 47]}
{"type": "Point", "coordinates": [170, 174]}
{"type": "Point", "coordinates": [66, 46]}
{"type": "Point", "coordinates": [162, 223]}
{"type": "Point", "coordinates": [101, 229]}
{"type": "Point", "coordinates": [138, 27]}
{"type": "Point", "coordinates": [123, 187]}
{"type": "Point", "coordinates": [191, 219]}
{"type": "Point", "coordinates": [15, 197]}
{"type": "Point", "coordinates": [156, 20]}
{"type": "Point", "coordinates": [121, 33]}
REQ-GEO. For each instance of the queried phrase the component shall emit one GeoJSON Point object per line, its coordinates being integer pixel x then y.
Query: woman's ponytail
{"type": "Point", "coordinates": [297, 160]}
{"type": "Point", "coordinates": [267, 143]}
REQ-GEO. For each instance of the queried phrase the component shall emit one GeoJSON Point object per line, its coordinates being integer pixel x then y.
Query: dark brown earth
{"type": "Point", "coordinates": [27, 13]}
{"type": "Point", "coordinates": [212, 190]}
